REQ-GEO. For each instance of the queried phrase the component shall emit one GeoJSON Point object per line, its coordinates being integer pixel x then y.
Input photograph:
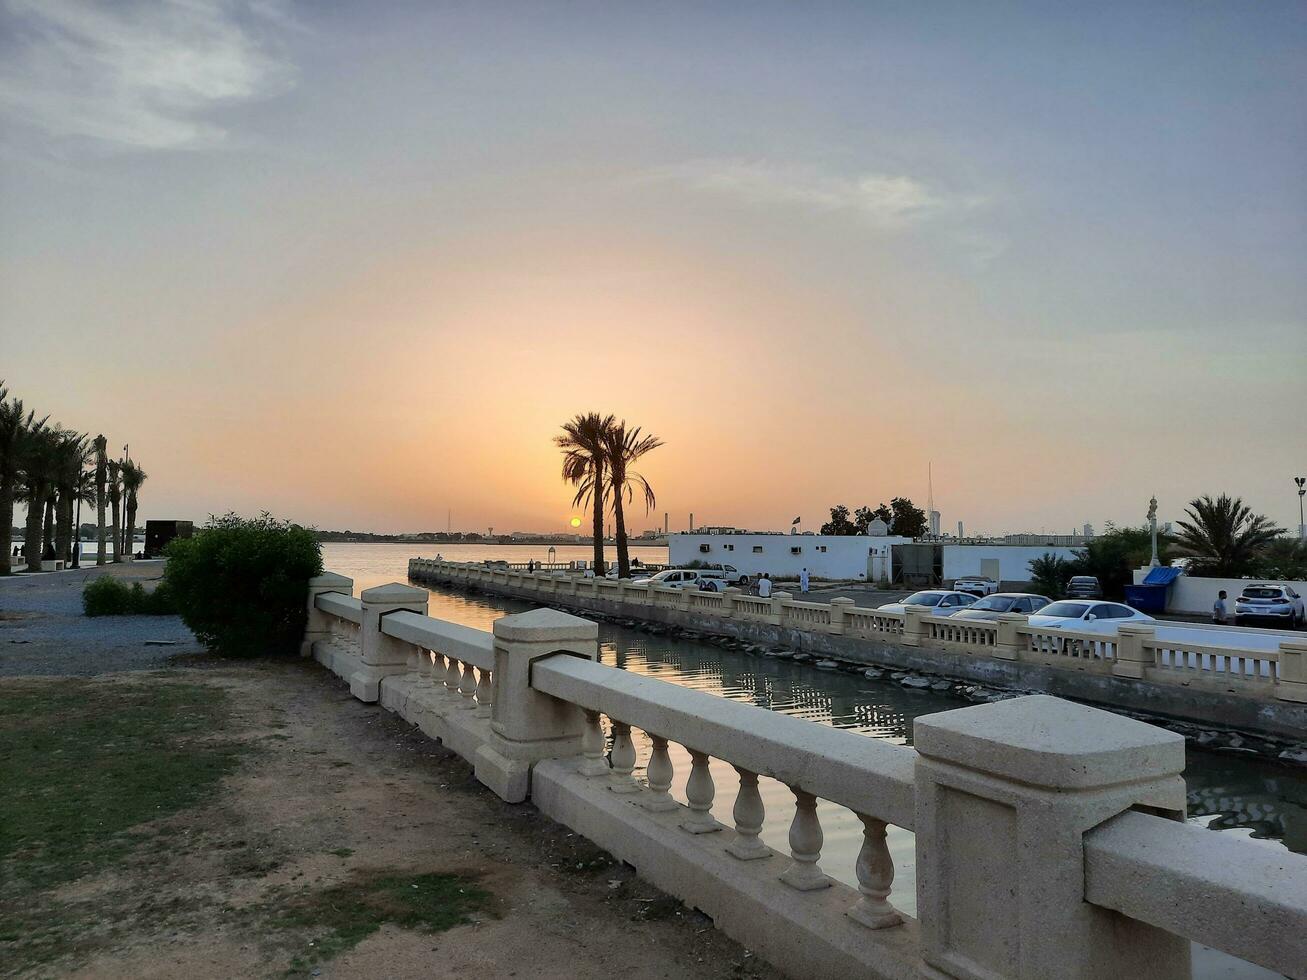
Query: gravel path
{"type": "Point", "coordinates": [43, 631]}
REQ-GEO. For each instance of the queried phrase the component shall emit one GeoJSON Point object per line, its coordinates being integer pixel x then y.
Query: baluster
{"type": "Point", "coordinates": [438, 672]}
{"type": "Point", "coordinates": [592, 747]}
{"type": "Point", "coordinates": [467, 687]}
{"type": "Point", "coordinates": [805, 845]}
{"type": "Point", "coordinates": [485, 692]}
{"type": "Point", "coordinates": [414, 662]}
{"type": "Point", "coordinates": [875, 870]}
{"type": "Point", "coordinates": [451, 677]}
{"type": "Point", "coordinates": [623, 758]}
{"type": "Point", "coordinates": [699, 792]}
{"type": "Point", "coordinates": [659, 775]}
{"type": "Point", "coordinates": [428, 665]}
{"type": "Point", "coordinates": [749, 814]}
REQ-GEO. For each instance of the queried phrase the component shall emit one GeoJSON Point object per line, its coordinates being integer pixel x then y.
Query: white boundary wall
{"type": "Point", "coordinates": [824, 555]}
{"type": "Point", "coordinates": [1013, 560]}
{"type": "Point", "coordinates": [1196, 595]}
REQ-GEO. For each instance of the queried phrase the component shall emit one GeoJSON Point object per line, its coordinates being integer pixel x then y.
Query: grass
{"type": "Point", "coordinates": [340, 917]}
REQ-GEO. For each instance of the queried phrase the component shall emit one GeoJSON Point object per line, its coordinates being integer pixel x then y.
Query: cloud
{"type": "Point", "coordinates": [137, 75]}
{"type": "Point", "coordinates": [886, 200]}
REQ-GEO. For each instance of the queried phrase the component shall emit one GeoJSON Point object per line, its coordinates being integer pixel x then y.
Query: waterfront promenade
{"type": "Point", "coordinates": [534, 714]}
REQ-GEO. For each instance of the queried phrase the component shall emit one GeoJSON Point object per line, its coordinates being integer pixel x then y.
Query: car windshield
{"type": "Point", "coordinates": [923, 599]}
{"type": "Point", "coordinates": [994, 603]}
{"type": "Point", "coordinates": [1083, 580]}
{"type": "Point", "coordinates": [1263, 593]}
{"type": "Point", "coordinates": [1067, 610]}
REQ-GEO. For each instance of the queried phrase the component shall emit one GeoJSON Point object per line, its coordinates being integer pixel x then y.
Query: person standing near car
{"type": "Point", "coordinates": [1218, 609]}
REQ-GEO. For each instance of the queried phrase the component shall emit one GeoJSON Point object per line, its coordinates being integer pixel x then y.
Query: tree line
{"type": "Point", "coordinates": [900, 515]}
{"type": "Point", "coordinates": [53, 470]}
{"type": "Point", "coordinates": [598, 453]}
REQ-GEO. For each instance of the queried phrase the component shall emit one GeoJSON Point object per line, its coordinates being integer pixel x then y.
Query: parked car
{"type": "Point", "coordinates": [1084, 587]}
{"type": "Point", "coordinates": [1269, 601]}
{"type": "Point", "coordinates": [976, 585]}
{"type": "Point", "coordinates": [1088, 616]}
{"type": "Point", "coordinates": [685, 578]}
{"type": "Point", "coordinates": [991, 607]}
{"type": "Point", "coordinates": [942, 602]}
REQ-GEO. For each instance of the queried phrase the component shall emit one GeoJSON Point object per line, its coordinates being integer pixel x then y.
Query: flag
{"type": "Point", "coordinates": [795, 521]}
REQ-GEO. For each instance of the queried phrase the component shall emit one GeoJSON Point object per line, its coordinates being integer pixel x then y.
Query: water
{"type": "Point", "coordinates": [1256, 799]}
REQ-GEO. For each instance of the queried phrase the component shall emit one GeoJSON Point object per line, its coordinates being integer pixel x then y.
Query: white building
{"type": "Point", "coordinates": [1001, 562]}
{"type": "Point", "coordinates": [824, 555]}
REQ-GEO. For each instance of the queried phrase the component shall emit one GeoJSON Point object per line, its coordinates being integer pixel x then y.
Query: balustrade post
{"type": "Point", "coordinates": [699, 793]}
{"type": "Point", "coordinates": [659, 774]}
{"type": "Point", "coordinates": [728, 601]}
{"type": "Point", "coordinates": [1291, 685]}
{"type": "Point", "coordinates": [623, 759]}
{"type": "Point", "coordinates": [806, 841]}
{"type": "Point", "coordinates": [914, 627]}
{"type": "Point", "coordinates": [1005, 794]}
{"type": "Point", "coordinates": [780, 602]}
{"type": "Point", "coordinates": [592, 747]}
{"type": "Point", "coordinates": [875, 871]}
{"type": "Point", "coordinates": [318, 627]}
{"type": "Point", "coordinates": [1009, 643]}
{"type": "Point", "coordinates": [749, 814]}
{"type": "Point", "coordinates": [1133, 656]}
{"type": "Point", "coordinates": [382, 655]}
{"type": "Point", "coordinates": [527, 726]}
{"type": "Point", "coordinates": [623, 584]}
{"type": "Point", "coordinates": [838, 607]}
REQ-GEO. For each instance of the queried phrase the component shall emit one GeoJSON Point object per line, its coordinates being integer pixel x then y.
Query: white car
{"type": "Point", "coordinates": [683, 578]}
{"type": "Point", "coordinates": [940, 602]}
{"type": "Point", "coordinates": [978, 585]}
{"type": "Point", "coordinates": [1087, 616]}
{"type": "Point", "coordinates": [1269, 601]}
{"type": "Point", "coordinates": [990, 607]}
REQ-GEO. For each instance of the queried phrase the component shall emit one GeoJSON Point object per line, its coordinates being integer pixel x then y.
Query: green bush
{"type": "Point", "coordinates": [109, 596]}
{"type": "Point", "coordinates": [242, 585]}
{"type": "Point", "coordinates": [1050, 574]}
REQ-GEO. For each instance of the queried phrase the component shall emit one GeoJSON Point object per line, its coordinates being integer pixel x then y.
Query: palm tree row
{"type": "Point", "coordinates": [598, 452]}
{"type": "Point", "coordinates": [46, 467]}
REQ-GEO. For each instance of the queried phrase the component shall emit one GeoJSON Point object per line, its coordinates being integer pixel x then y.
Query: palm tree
{"type": "Point", "coordinates": [1223, 536]}
{"type": "Point", "coordinates": [14, 429]}
{"type": "Point", "coordinates": [133, 477]}
{"type": "Point", "coordinates": [74, 451]}
{"type": "Point", "coordinates": [624, 448]}
{"type": "Point", "coordinates": [38, 468]}
{"type": "Point", "coordinates": [114, 469]}
{"type": "Point", "coordinates": [584, 443]}
{"type": "Point", "coordinates": [101, 476]}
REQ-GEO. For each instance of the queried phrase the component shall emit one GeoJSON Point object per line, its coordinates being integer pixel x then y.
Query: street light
{"type": "Point", "coordinates": [552, 553]}
{"type": "Point", "coordinates": [1302, 489]}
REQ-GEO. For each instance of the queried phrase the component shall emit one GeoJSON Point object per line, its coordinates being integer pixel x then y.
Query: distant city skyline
{"type": "Point", "coordinates": [355, 264]}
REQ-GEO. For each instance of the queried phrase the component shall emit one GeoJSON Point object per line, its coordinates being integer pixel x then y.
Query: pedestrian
{"type": "Point", "coordinates": [803, 581]}
{"type": "Point", "coordinates": [1218, 609]}
{"type": "Point", "coordinates": [764, 586]}
{"type": "Point", "coordinates": [531, 566]}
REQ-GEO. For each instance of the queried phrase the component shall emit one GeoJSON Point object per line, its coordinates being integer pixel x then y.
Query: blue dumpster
{"type": "Point", "coordinates": [1149, 596]}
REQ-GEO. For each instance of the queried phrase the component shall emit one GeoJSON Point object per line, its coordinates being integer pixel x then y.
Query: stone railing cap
{"type": "Point", "coordinates": [1045, 741]}
{"type": "Point", "coordinates": [542, 625]}
{"type": "Point", "coordinates": [1135, 628]}
{"type": "Point", "coordinates": [1294, 646]}
{"type": "Point", "coordinates": [394, 592]}
{"type": "Point", "coordinates": [330, 580]}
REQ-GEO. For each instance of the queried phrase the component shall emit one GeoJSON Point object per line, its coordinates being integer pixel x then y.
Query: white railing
{"type": "Point", "coordinates": [1267, 674]}
{"type": "Point", "coordinates": [1020, 809]}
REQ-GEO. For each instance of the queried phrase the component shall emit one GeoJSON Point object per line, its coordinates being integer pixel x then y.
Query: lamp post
{"type": "Point", "coordinates": [1302, 489]}
{"type": "Point", "coordinates": [552, 553]}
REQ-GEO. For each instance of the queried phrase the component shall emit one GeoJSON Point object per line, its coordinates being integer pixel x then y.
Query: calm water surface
{"type": "Point", "coordinates": [1229, 793]}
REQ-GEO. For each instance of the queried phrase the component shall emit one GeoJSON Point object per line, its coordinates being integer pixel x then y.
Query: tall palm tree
{"type": "Point", "coordinates": [114, 469]}
{"type": "Point", "coordinates": [74, 451]}
{"type": "Point", "coordinates": [624, 448]}
{"type": "Point", "coordinates": [14, 429]}
{"type": "Point", "coordinates": [584, 443]}
{"type": "Point", "coordinates": [101, 476]}
{"type": "Point", "coordinates": [1223, 536]}
{"type": "Point", "coordinates": [38, 469]}
{"type": "Point", "coordinates": [133, 477]}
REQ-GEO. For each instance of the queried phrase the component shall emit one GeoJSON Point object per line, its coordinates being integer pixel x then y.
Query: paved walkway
{"type": "Point", "coordinates": [43, 631]}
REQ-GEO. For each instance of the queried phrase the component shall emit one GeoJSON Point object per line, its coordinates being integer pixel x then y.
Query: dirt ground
{"type": "Point", "coordinates": [335, 788]}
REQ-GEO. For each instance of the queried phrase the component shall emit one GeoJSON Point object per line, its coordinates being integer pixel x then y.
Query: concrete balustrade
{"type": "Point", "coordinates": [1257, 690]}
{"type": "Point", "coordinates": [1048, 841]}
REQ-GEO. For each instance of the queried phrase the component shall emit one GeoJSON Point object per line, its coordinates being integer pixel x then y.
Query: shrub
{"type": "Point", "coordinates": [1050, 574]}
{"type": "Point", "coordinates": [242, 585]}
{"type": "Point", "coordinates": [109, 596]}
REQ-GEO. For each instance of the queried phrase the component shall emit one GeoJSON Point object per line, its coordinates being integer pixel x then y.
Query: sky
{"type": "Point", "coordinates": [354, 264]}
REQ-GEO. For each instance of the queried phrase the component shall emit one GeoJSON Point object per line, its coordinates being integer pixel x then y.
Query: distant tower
{"type": "Point", "coordinates": [1089, 530]}
{"type": "Point", "coordinates": [931, 513]}
{"type": "Point", "coordinates": [691, 522]}
{"type": "Point", "coordinates": [664, 523]}
{"type": "Point", "coordinates": [960, 534]}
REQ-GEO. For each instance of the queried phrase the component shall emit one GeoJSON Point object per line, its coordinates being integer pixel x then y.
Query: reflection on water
{"type": "Point", "coordinates": [1232, 793]}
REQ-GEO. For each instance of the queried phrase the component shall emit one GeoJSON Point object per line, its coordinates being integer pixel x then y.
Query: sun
{"type": "Point", "coordinates": [576, 522]}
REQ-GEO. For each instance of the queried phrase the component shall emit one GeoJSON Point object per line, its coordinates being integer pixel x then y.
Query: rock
{"type": "Point", "coordinates": [914, 681]}
{"type": "Point", "coordinates": [826, 665]}
{"type": "Point", "coordinates": [941, 686]}
{"type": "Point", "coordinates": [873, 673]}
{"type": "Point", "coordinates": [1298, 755]}
{"type": "Point", "coordinates": [898, 675]}
{"type": "Point", "coordinates": [803, 658]}
{"type": "Point", "coordinates": [1237, 750]}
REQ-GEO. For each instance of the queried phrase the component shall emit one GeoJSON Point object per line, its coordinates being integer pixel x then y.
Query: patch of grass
{"type": "Point", "coordinates": [340, 917]}
{"type": "Point", "coordinates": [342, 852]}
{"type": "Point", "coordinates": [83, 763]}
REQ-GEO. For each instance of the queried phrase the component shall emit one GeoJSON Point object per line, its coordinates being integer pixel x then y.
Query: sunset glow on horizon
{"type": "Point", "coordinates": [362, 278]}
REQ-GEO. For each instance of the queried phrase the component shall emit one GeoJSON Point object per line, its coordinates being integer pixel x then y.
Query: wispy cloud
{"type": "Point", "coordinates": [886, 200]}
{"type": "Point", "coordinates": [138, 75]}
